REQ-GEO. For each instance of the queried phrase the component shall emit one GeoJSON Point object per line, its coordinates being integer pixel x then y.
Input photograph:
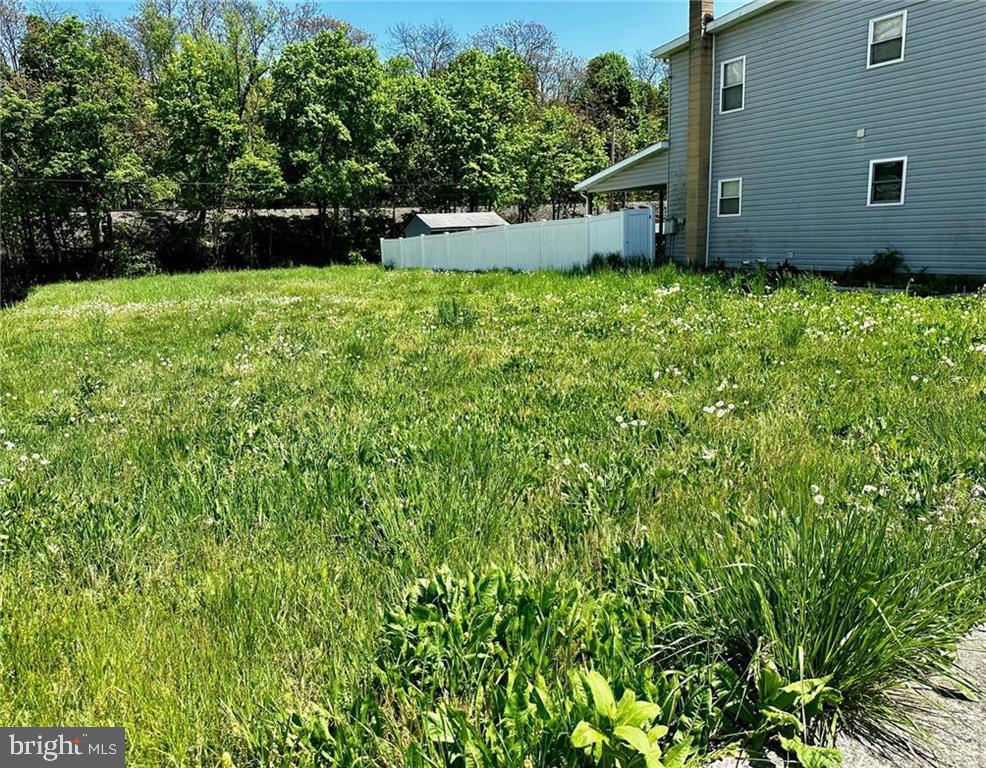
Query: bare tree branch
{"type": "Point", "coordinates": [429, 46]}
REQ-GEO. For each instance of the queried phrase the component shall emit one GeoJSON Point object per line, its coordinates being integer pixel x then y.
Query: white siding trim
{"type": "Point", "coordinates": [869, 39]}
{"type": "Point", "coordinates": [722, 85]}
{"type": "Point", "coordinates": [903, 182]}
{"type": "Point", "coordinates": [719, 200]}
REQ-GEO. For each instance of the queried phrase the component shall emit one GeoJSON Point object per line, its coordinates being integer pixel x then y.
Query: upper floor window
{"type": "Point", "coordinates": [887, 179]}
{"type": "Point", "coordinates": [732, 84]}
{"type": "Point", "coordinates": [730, 197]}
{"type": "Point", "coordinates": [887, 39]}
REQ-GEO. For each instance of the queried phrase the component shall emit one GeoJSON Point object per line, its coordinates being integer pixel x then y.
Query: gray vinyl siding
{"type": "Point", "coordinates": [805, 173]}
{"type": "Point", "coordinates": [678, 151]}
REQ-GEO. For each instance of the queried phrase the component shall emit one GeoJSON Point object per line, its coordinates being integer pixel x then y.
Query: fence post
{"type": "Point", "coordinates": [503, 242]}
{"type": "Point", "coordinates": [588, 240]}
{"type": "Point", "coordinates": [541, 244]}
{"type": "Point", "coordinates": [421, 249]}
{"type": "Point", "coordinates": [448, 255]}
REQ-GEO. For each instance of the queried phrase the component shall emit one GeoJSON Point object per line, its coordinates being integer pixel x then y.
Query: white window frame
{"type": "Point", "coordinates": [722, 85]}
{"type": "Point", "coordinates": [719, 214]}
{"type": "Point", "coordinates": [869, 43]}
{"type": "Point", "coordinates": [903, 182]}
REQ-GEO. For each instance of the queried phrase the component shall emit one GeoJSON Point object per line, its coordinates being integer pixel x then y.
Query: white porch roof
{"type": "Point", "coordinates": [644, 170]}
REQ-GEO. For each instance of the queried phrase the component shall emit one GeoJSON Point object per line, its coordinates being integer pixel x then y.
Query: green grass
{"type": "Point", "coordinates": [213, 486]}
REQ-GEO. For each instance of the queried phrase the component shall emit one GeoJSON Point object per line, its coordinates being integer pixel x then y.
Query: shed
{"type": "Point", "coordinates": [436, 223]}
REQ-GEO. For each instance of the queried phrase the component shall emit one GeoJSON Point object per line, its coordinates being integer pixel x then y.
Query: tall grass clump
{"type": "Point", "coordinates": [859, 597]}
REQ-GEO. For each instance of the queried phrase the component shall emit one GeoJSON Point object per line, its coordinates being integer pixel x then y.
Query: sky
{"type": "Point", "coordinates": [585, 28]}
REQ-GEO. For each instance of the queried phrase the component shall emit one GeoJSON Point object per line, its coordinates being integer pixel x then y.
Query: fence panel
{"type": "Point", "coordinates": [560, 245]}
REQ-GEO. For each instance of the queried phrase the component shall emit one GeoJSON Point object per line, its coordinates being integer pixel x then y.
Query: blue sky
{"type": "Point", "coordinates": [585, 28]}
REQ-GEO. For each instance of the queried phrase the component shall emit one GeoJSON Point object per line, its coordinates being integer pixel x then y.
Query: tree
{"type": "Point", "coordinates": [198, 103]}
{"type": "Point", "coordinates": [484, 102]}
{"type": "Point", "coordinates": [302, 21]}
{"type": "Point", "coordinates": [607, 96]}
{"type": "Point", "coordinates": [430, 46]}
{"type": "Point", "coordinates": [12, 27]}
{"type": "Point", "coordinates": [412, 104]}
{"type": "Point", "coordinates": [647, 69]}
{"type": "Point", "coordinates": [326, 114]}
{"type": "Point", "coordinates": [74, 123]}
{"type": "Point", "coordinates": [559, 149]}
{"type": "Point", "coordinates": [649, 121]}
{"type": "Point", "coordinates": [529, 41]}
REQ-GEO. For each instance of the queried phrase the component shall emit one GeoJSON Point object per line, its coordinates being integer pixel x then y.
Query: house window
{"type": "Point", "coordinates": [887, 39]}
{"type": "Point", "coordinates": [732, 84]}
{"type": "Point", "coordinates": [730, 197]}
{"type": "Point", "coordinates": [887, 180]}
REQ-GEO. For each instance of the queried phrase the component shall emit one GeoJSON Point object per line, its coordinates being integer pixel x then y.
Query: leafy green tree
{"type": "Point", "coordinates": [560, 148]}
{"type": "Point", "coordinates": [326, 113]}
{"type": "Point", "coordinates": [411, 103]}
{"type": "Point", "coordinates": [650, 115]}
{"type": "Point", "coordinates": [485, 100]}
{"type": "Point", "coordinates": [198, 103]}
{"type": "Point", "coordinates": [607, 97]}
{"type": "Point", "coordinates": [74, 123]}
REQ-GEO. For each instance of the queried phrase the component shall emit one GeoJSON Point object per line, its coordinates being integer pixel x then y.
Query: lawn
{"type": "Point", "coordinates": [214, 487]}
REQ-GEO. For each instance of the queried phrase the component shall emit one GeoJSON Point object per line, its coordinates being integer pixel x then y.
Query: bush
{"type": "Point", "coordinates": [882, 266]}
{"type": "Point", "coordinates": [127, 260]}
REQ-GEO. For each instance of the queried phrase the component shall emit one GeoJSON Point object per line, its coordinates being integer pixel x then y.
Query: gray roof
{"type": "Point", "coordinates": [460, 220]}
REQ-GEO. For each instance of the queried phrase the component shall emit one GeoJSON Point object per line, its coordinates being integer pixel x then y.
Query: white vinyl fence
{"type": "Point", "coordinates": [560, 245]}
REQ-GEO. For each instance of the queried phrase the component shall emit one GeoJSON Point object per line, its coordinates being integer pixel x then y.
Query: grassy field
{"type": "Point", "coordinates": [213, 487]}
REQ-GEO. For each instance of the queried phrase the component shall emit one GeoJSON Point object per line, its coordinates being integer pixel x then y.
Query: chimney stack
{"type": "Point", "coordinates": [699, 131]}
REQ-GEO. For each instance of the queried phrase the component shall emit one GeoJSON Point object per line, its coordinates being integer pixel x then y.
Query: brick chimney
{"type": "Point", "coordinates": [699, 131]}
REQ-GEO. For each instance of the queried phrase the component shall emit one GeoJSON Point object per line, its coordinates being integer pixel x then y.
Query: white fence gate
{"type": "Point", "coordinates": [560, 245]}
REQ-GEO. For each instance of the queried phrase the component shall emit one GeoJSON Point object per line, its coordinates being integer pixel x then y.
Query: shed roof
{"type": "Point", "coordinates": [461, 220]}
{"type": "Point", "coordinates": [643, 170]}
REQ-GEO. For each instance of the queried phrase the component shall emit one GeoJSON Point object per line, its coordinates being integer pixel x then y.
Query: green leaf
{"type": "Point", "coordinates": [657, 733]}
{"type": "Point", "coordinates": [778, 718]}
{"type": "Point", "coordinates": [813, 757]}
{"type": "Point", "coordinates": [677, 755]}
{"type": "Point", "coordinates": [602, 695]}
{"type": "Point", "coordinates": [770, 683]}
{"type": "Point", "coordinates": [585, 736]}
{"type": "Point", "coordinates": [635, 737]}
{"type": "Point", "coordinates": [437, 727]}
{"type": "Point", "coordinates": [636, 713]}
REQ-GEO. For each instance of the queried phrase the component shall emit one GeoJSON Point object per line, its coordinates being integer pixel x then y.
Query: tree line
{"type": "Point", "coordinates": [207, 106]}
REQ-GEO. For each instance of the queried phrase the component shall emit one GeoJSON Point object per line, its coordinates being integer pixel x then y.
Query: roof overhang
{"type": "Point", "coordinates": [664, 51]}
{"type": "Point", "coordinates": [608, 180]}
{"type": "Point", "coordinates": [742, 13]}
{"type": "Point", "coordinates": [726, 21]}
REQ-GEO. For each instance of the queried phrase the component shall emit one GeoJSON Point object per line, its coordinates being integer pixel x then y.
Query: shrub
{"type": "Point", "coordinates": [882, 266]}
{"type": "Point", "coordinates": [126, 260]}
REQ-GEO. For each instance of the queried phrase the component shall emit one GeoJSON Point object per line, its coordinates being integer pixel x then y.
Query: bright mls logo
{"type": "Point", "coordinates": [71, 747]}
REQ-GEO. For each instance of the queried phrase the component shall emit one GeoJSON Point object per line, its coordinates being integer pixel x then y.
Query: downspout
{"type": "Point", "coordinates": [585, 197]}
{"type": "Point", "coordinates": [712, 137]}
{"type": "Point", "coordinates": [669, 247]}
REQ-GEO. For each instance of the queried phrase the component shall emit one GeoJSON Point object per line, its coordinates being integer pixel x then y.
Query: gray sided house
{"type": "Point", "coordinates": [819, 131]}
{"type": "Point", "coordinates": [437, 223]}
